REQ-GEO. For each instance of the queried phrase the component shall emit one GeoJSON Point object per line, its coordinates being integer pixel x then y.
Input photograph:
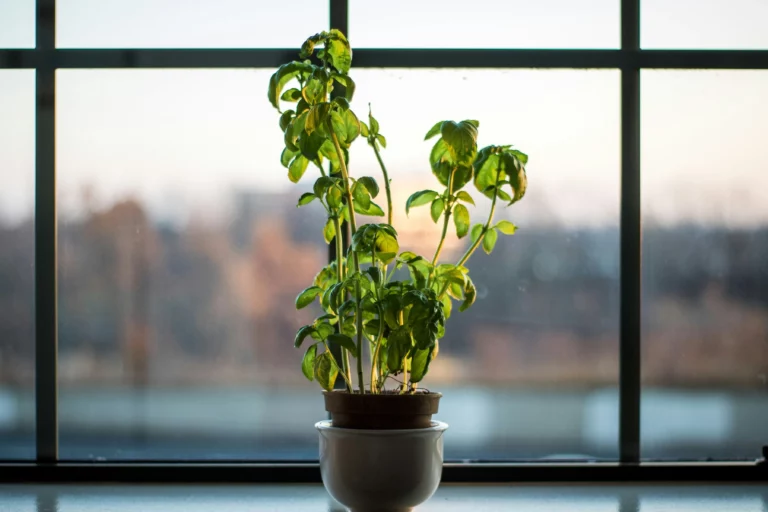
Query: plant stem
{"type": "Point", "coordinates": [386, 182]}
{"type": "Point", "coordinates": [353, 228]}
{"type": "Point", "coordinates": [346, 371]}
{"type": "Point", "coordinates": [374, 369]}
{"type": "Point", "coordinates": [446, 221]}
{"type": "Point", "coordinates": [485, 229]}
{"type": "Point", "coordinates": [404, 388]}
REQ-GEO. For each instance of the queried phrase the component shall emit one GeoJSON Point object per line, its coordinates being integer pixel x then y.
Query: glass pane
{"type": "Point", "coordinates": [17, 257]}
{"type": "Point", "coordinates": [176, 305]}
{"type": "Point", "coordinates": [704, 24]}
{"type": "Point", "coordinates": [17, 23]}
{"type": "Point", "coordinates": [705, 278]}
{"type": "Point", "coordinates": [186, 24]}
{"type": "Point", "coordinates": [484, 24]}
{"type": "Point", "coordinates": [531, 370]}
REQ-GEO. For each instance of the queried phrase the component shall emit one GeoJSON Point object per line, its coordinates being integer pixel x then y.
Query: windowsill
{"type": "Point", "coordinates": [450, 497]}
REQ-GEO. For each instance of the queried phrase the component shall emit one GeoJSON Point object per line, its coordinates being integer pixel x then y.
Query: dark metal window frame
{"type": "Point", "coordinates": [629, 59]}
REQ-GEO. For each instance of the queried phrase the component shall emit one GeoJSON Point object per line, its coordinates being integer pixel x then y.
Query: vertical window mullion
{"type": "Point", "coordinates": [46, 321]}
{"type": "Point", "coordinates": [630, 278]}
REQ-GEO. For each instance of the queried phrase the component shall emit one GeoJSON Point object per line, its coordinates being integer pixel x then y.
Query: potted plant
{"type": "Point", "coordinates": [383, 310]}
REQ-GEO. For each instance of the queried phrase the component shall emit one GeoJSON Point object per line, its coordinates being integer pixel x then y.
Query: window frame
{"type": "Point", "coordinates": [630, 59]}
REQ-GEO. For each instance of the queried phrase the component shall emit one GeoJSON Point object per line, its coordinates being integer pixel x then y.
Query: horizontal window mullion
{"type": "Point", "coordinates": [392, 58]}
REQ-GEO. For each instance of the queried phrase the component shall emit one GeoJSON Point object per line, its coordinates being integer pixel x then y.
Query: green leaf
{"type": "Point", "coordinates": [520, 156]}
{"type": "Point", "coordinates": [302, 334]}
{"type": "Point", "coordinates": [307, 297]}
{"type": "Point", "coordinates": [382, 140]}
{"type": "Point", "coordinates": [464, 196]}
{"type": "Point", "coordinates": [308, 362]}
{"type": "Point", "coordinates": [306, 198]}
{"type": "Point", "coordinates": [314, 91]}
{"type": "Point", "coordinates": [461, 220]}
{"type": "Point", "coordinates": [489, 241]}
{"type": "Point", "coordinates": [282, 76]}
{"type": "Point", "coordinates": [461, 139]}
{"type": "Point", "coordinates": [363, 129]}
{"type": "Point", "coordinates": [503, 195]}
{"type": "Point", "coordinates": [310, 144]}
{"type": "Point", "coordinates": [346, 126]}
{"type": "Point", "coordinates": [373, 123]}
{"type": "Point", "coordinates": [477, 230]}
{"type": "Point", "coordinates": [322, 330]}
{"type": "Point", "coordinates": [329, 231]}
{"type": "Point", "coordinates": [286, 156]}
{"type": "Point", "coordinates": [360, 195]}
{"type": "Point", "coordinates": [347, 83]}
{"type": "Point", "coordinates": [285, 119]}
{"type": "Point", "coordinates": [419, 198]}
{"type": "Point", "coordinates": [334, 197]}
{"type": "Point", "coordinates": [441, 161]}
{"type": "Point", "coordinates": [326, 370]}
{"type": "Point", "coordinates": [398, 347]}
{"type": "Point", "coordinates": [341, 102]}
{"type": "Point", "coordinates": [321, 185]}
{"type": "Point", "coordinates": [373, 210]}
{"type": "Point", "coordinates": [337, 48]}
{"type": "Point", "coordinates": [344, 341]}
{"type": "Point", "coordinates": [375, 274]}
{"type": "Point", "coordinates": [420, 363]}
{"type": "Point", "coordinates": [470, 294]}
{"type": "Point", "coordinates": [434, 130]}
{"type": "Point", "coordinates": [316, 117]}
{"type": "Point", "coordinates": [369, 183]}
{"type": "Point", "coordinates": [506, 227]}
{"type": "Point", "coordinates": [438, 206]}
{"type": "Point", "coordinates": [291, 95]}
{"type": "Point", "coordinates": [297, 168]}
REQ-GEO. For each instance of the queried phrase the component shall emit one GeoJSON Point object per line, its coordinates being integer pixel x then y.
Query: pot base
{"type": "Point", "coordinates": [381, 470]}
{"type": "Point", "coordinates": [381, 510]}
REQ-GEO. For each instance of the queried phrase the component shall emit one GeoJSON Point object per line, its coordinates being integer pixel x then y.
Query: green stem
{"type": "Point", "coordinates": [404, 388]}
{"type": "Point", "coordinates": [346, 371]}
{"type": "Point", "coordinates": [348, 380]}
{"type": "Point", "coordinates": [356, 263]}
{"type": "Point", "coordinates": [447, 219]}
{"type": "Point", "coordinates": [374, 368]}
{"type": "Point", "coordinates": [386, 182]}
{"type": "Point", "coordinates": [485, 228]}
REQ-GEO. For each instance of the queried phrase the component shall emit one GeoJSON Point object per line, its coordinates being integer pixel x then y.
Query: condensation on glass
{"type": "Point", "coordinates": [17, 256]}
{"type": "Point", "coordinates": [705, 278]}
{"type": "Point", "coordinates": [704, 24]}
{"type": "Point", "coordinates": [182, 252]}
{"type": "Point", "coordinates": [187, 23]}
{"type": "Point", "coordinates": [17, 24]}
{"type": "Point", "coordinates": [484, 24]}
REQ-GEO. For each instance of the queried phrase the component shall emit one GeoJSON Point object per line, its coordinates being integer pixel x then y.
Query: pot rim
{"type": "Point", "coordinates": [437, 426]}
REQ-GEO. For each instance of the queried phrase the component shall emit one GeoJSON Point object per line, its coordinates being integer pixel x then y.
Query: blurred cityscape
{"type": "Point", "coordinates": [160, 322]}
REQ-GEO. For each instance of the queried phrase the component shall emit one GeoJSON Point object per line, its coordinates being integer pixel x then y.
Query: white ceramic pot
{"type": "Point", "coordinates": [381, 470]}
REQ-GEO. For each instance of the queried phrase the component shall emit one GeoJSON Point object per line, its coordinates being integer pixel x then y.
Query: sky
{"type": "Point", "coordinates": [184, 140]}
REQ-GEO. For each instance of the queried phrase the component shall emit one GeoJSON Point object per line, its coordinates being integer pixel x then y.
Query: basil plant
{"type": "Point", "coordinates": [395, 323]}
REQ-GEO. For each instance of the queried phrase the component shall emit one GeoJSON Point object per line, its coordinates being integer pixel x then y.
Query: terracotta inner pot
{"type": "Point", "coordinates": [386, 411]}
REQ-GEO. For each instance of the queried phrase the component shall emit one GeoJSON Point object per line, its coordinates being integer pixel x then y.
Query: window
{"type": "Point", "coordinates": [17, 252]}
{"type": "Point", "coordinates": [487, 24]}
{"type": "Point", "coordinates": [185, 23]}
{"type": "Point", "coordinates": [705, 248]}
{"type": "Point", "coordinates": [542, 340]}
{"type": "Point", "coordinates": [170, 291]}
{"type": "Point", "coordinates": [17, 24]}
{"type": "Point", "coordinates": [704, 24]}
